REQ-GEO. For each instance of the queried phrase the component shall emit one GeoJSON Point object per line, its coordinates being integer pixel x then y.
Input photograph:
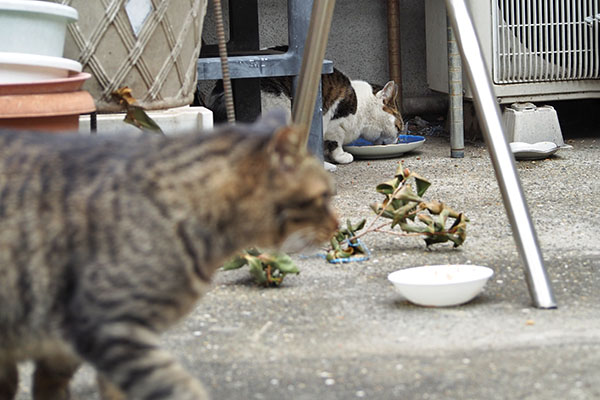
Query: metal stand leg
{"type": "Point", "coordinates": [315, 135]}
{"type": "Point", "coordinates": [502, 158]}
{"type": "Point", "coordinates": [303, 110]}
{"type": "Point", "coordinates": [455, 92]}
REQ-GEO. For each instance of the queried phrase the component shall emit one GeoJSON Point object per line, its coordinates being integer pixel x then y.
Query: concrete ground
{"type": "Point", "coordinates": [342, 332]}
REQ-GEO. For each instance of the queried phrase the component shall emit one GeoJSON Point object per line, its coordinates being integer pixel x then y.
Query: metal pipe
{"type": "Point", "coordinates": [312, 64]}
{"type": "Point", "coordinates": [413, 105]}
{"type": "Point", "coordinates": [455, 95]}
{"type": "Point", "coordinates": [299, 13]}
{"type": "Point", "coordinates": [395, 67]}
{"type": "Point", "coordinates": [502, 158]}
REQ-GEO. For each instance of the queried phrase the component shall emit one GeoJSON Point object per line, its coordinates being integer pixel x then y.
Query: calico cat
{"type": "Point", "coordinates": [351, 109]}
{"type": "Point", "coordinates": [108, 241]}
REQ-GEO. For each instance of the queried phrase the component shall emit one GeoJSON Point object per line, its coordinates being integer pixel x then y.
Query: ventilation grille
{"type": "Point", "coordinates": [546, 40]}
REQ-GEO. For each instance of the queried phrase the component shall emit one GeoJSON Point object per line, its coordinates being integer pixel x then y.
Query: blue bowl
{"type": "Point", "coordinates": [401, 139]}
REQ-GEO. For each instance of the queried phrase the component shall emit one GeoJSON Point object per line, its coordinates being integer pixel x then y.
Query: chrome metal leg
{"type": "Point", "coordinates": [312, 64]}
{"type": "Point", "coordinates": [455, 94]}
{"type": "Point", "coordinates": [502, 158]}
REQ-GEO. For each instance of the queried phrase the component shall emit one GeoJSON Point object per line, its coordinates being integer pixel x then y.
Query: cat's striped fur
{"type": "Point", "coordinates": [107, 242]}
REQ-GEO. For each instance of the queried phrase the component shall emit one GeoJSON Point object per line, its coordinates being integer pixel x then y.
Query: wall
{"type": "Point", "coordinates": [358, 41]}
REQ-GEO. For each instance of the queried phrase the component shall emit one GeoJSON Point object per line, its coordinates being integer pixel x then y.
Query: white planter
{"type": "Point", "coordinates": [151, 46]}
{"type": "Point", "coordinates": [172, 121]}
{"type": "Point", "coordinates": [23, 68]}
{"type": "Point", "coordinates": [34, 27]}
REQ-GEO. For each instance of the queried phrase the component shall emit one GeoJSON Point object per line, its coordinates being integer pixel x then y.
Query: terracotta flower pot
{"type": "Point", "coordinates": [49, 112]}
{"type": "Point", "coordinates": [70, 84]}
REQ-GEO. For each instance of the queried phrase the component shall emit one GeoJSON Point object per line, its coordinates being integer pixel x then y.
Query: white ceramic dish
{"type": "Point", "coordinates": [385, 151]}
{"type": "Point", "coordinates": [21, 68]}
{"type": "Point", "coordinates": [440, 285]}
{"type": "Point", "coordinates": [533, 151]}
{"type": "Point", "coordinates": [34, 27]}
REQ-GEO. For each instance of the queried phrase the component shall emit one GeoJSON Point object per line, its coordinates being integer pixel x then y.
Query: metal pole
{"type": "Point", "coordinates": [455, 93]}
{"type": "Point", "coordinates": [299, 15]}
{"type": "Point", "coordinates": [394, 64]}
{"type": "Point", "coordinates": [312, 65]}
{"type": "Point", "coordinates": [502, 158]}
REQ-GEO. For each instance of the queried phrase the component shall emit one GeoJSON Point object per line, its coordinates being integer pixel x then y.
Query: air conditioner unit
{"type": "Point", "coordinates": [535, 50]}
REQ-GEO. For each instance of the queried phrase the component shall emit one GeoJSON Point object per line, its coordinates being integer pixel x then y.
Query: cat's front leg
{"type": "Point", "coordinates": [340, 156]}
{"type": "Point", "coordinates": [334, 138]}
{"type": "Point", "coordinates": [9, 379]}
{"type": "Point", "coordinates": [52, 376]}
{"type": "Point", "coordinates": [131, 360]}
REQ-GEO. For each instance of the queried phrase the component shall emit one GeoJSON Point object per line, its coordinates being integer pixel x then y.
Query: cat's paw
{"type": "Point", "coordinates": [343, 158]}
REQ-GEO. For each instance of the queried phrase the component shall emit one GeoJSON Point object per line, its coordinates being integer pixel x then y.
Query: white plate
{"type": "Point", "coordinates": [441, 285]}
{"type": "Point", "coordinates": [384, 151]}
{"type": "Point", "coordinates": [533, 151]}
{"type": "Point", "coordinates": [22, 68]}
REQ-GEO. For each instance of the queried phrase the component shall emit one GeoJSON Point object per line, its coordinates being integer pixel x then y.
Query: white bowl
{"type": "Point", "coordinates": [533, 151]}
{"type": "Point", "coordinates": [34, 27]}
{"type": "Point", "coordinates": [21, 68]}
{"type": "Point", "coordinates": [441, 285]}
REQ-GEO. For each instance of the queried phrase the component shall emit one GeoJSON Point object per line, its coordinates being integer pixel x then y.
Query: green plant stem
{"type": "Point", "coordinates": [368, 228]}
{"type": "Point", "coordinates": [410, 234]}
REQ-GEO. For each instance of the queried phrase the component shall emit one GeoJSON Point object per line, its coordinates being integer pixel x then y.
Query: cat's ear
{"type": "Point", "coordinates": [388, 93]}
{"type": "Point", "coordinates": [271, 121]}
{"type": "Point", "coordinates": [285, 145]}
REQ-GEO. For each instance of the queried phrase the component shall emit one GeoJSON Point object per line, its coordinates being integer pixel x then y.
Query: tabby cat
{"type": "Point", "coordinates": [351, 109]}
{"type": "Point", "coordinates": [108, 241]}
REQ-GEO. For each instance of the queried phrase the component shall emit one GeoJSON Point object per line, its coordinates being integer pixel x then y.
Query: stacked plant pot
{"type": "Point", "coordinates": [39, 88]}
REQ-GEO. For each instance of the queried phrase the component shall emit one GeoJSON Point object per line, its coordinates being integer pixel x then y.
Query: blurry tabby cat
{"type": "Point", "coordinates": [107, 242]}
{"type": "Point", "coordinates": [350, 109]}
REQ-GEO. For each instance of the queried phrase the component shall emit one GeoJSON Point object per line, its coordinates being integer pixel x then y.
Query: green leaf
{"type": "Point", "coordinates": [401, 214]}
{"type": "Point", "coordinates": [457, 240]}
{"type": "Point", "coordinates": [387, 187]}
{"type": "Point", "coordinates": [422, 184]}
{"type": "Point", "coordinates": [433, 239]}
{"type": "Point", "coordinates": [407, 194]}
{"type": "Point", "coordinates": [285, 264]}
{"type": "Point", "coordinates": [439, 222]}
{"type": "Point", "coordinates": [234, 263]}
{"type": "Point", "coordinates": [414, 228]}
{"type": "Point", "coordinates": [360, 225]}
{"type": "Point", "coordinates": [137, 117]}
{"type": "Point", "coordinates": [434, 207]}
{"type": "Point", "coordinates": [459, 228]}
{"type": "Point", "coordinates": [253, 251]}
{"type": "Point", "coordinates": [388, 213]}
{"type": "Point", "coordinates": [335, 243]}
{"type": "Point", "coordinates": [426, 219]}
{"type": "Point", "coordinates": [256, 270]}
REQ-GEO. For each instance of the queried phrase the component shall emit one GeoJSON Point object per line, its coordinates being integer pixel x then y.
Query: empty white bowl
{"type": "Point", "coordinates": [21, 68]}
{"type": "Point", "coordinates": [34, 27]}
{"type": "Point", "coordinates": [533, 151]}
{"type": "Point", "coordinates": [441, 285]}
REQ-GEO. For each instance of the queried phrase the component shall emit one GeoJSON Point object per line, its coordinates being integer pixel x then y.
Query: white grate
{"type": "Point", "coordinates": [546, 40]}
